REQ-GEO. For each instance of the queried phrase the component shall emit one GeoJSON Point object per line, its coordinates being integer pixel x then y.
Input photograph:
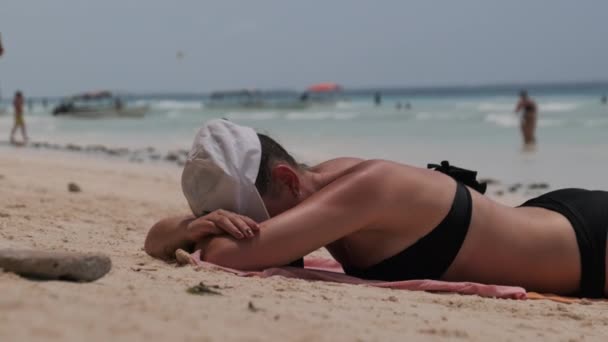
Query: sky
{"type": "Point", "coordinates": [59, 47]}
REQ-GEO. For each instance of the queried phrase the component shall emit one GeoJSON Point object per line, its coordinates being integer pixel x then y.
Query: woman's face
{"type": "Point", "coordinates": [284, 192]}
{"type": "Point", "coordinates": [279, 202]}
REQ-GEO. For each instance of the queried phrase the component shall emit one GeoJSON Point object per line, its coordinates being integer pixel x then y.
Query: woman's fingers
{"type": "Point", "coordinates": [251, 223]}
{"type": "Point", "coordinates": [226, 224]}
{"type": "Point", "coordinates": [221, 221]}
{"type": "Point", "coordinates": [242, 225]}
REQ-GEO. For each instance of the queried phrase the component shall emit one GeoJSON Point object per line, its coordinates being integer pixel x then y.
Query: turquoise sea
{"type": "Point", "coordinates": [472, 127]}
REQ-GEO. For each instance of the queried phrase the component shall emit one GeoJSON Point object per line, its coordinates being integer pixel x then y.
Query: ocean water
{"type": "Point", "coordinates": [473, 129]}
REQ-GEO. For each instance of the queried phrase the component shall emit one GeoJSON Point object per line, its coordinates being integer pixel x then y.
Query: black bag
{"type": "Point", "coordinates": [464, 176]}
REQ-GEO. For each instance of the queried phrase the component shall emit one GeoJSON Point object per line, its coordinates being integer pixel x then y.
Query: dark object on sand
{"type": "Point", "coordinates": [48, 265]}
{"type": "Point", "coordinates": [252, 307]}
{"type": "Point", "coordinates": [540, 186]}
{"type": "Point", "coordinates": [73, 187]}
{"type": "Point", "coordinates": [172, 156]}
{"type": "Point", "coordinates": [202, 289]}
{"type": "Point", "coordinates": [515, 187]}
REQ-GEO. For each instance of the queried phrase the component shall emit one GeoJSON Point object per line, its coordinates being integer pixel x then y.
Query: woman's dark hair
{"type": "Point", "coordinates": [272, 152]}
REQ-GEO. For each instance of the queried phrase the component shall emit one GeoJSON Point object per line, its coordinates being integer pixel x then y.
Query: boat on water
{"type": "Point", "coordinates": [327, 93]}
{"type": "Point", "coordinates": [100, 104]}
{"type": "Point", "coordinates": [255, 99]}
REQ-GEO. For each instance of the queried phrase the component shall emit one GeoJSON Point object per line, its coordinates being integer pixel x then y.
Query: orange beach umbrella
{"type": "Point", "coordinates": [324, 87]}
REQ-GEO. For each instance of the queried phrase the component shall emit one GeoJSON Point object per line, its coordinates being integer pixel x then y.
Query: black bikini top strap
{"type": "Point", "coordinates": [467, 177]}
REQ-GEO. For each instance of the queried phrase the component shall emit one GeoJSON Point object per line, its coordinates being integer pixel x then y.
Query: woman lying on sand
{"type": "Point", "coordinates": [380, 219]}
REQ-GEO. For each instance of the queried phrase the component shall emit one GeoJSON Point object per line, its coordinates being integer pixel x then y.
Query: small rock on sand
{"type": "Point", "coordinates": [538, 186]}
{"type": "Point", "coordinates": [73, 147]}
{"type": "Point", "coordinates": [172, 156]}
{"type": "Point", "coordinates": [515, 187]}
{"type": "Point", "coordinates": [252, 307]}
{"type": "Point", "coordinates": [73, 187]}
{"type": "Point", "coordinates": [51, 265]}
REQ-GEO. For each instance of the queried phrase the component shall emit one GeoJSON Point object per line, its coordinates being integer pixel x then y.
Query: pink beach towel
{"type": "Point", "coordinates": [324, 269]}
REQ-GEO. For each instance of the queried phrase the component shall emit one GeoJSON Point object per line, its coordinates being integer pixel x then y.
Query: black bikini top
{"type": "Point", "coordinates": [430, 256]}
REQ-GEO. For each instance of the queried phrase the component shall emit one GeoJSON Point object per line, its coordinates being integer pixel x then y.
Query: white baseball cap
{"type": "Point", "coordinates": [221, 170]}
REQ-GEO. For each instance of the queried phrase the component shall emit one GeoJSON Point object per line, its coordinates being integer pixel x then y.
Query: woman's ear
{"type": "Point", "coordinates": [287, 175]}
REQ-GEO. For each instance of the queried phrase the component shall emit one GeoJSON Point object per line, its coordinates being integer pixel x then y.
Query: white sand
{"type": "Point", "coordinates": [145, 299]}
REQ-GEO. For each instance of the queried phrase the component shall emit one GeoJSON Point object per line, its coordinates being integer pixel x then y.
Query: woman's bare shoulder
{"type": "Point", "coordinates": [337, 163]}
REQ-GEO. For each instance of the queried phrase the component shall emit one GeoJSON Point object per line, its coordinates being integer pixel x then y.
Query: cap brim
{"type": "Point", "coordinates": [254, 207]}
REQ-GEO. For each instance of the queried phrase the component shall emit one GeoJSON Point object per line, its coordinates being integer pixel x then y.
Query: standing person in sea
{"type": "Point", "coordinates": [529, 111]}
{"type": "Point", "coordinates": [19, 122]}
{"type": "Point", "coordinates": [377, 98]}
{"type": "Point", "coordinates": [1, 53]}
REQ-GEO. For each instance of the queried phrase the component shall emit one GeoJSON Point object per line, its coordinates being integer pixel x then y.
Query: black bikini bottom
{"type": "Point", "coordinates": [587, 211]}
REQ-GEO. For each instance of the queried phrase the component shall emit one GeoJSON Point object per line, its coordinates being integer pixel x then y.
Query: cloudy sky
{"type": "Point", "coordinates": [63, 46]}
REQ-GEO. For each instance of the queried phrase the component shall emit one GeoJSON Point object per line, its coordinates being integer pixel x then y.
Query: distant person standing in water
{"type": "Point", "coordinates": [19, 122]}
{"type": "Point", "coordinates": [1, 53]}
{"type": "Point", "coordinates": [378, 98]}
{"type": "Point", "coordinates": [604, 99]}
{"type": "Point", "coordinates": [528, 118]}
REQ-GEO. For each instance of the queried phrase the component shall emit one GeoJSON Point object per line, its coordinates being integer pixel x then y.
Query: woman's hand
{"type": "Point", "coordinates": [219, 222]}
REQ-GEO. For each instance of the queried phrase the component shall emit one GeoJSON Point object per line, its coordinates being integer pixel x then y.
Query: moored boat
{"type": "Point", "coordinates": [101, 104]}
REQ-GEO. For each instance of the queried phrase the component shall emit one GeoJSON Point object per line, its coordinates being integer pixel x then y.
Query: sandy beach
{"type": "Point", "coordinates": [146, 299]}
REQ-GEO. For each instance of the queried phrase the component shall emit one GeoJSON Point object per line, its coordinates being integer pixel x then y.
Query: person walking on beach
{"type": "Point", "coordinates": [19, 122]}
{"type": "Point", "coordinates": [529, 111]}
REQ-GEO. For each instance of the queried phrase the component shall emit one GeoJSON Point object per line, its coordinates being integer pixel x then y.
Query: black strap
{"type": "Point", "coordinates": [297, 263]}
{"type": "Point", "coordinates": [464, 176]}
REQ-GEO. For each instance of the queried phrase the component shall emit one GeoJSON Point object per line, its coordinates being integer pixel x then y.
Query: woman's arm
{"type": "Point", "coordinates": [172, 233]}
{"type": "Point", "coordinates": [346, 205]}
{"type": "Point", "coordinates": [518, 107]}
{"type": "Point", "coordinates": [167, 235]}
